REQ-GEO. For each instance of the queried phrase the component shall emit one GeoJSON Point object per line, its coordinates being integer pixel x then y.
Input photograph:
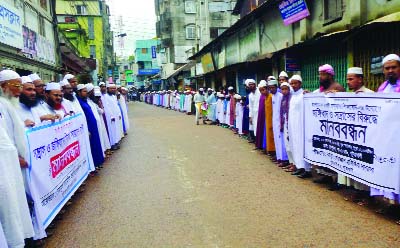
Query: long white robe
{"type": "Point", "coordinates": [220, 111]}
{"type": "Point", "coordinates": [3, 241]}
{"type": "Point", "coordinates": [94, 108]}
{"type": "Point", "coordinates": [254, 98]}
{"type": "Point", "coordinates": [14, 212]}
{"type": "Point", "coordinates": [239, 117]}
{"type": "Point", "coordinates": [124, 108]}
{"type": "Point", "coordinates": [188, 103]}
{"type": "Point", "coordinates": [228, 113]}
{"type": "Point", "coordinates": [112, 112]}
{"type": "Point", "coordinates": [276, 125]}
{"type": "Point", "coordinates": [296, 129]}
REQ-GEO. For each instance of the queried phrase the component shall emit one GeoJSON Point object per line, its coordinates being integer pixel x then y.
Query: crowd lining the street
{"type": "Point", "coordinates": [271, 116]}
{"type": "Point", "coordinates": [27, 102]}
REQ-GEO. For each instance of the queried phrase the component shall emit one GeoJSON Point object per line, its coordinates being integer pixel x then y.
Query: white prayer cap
{"type": "Point", "coordinates": [64, 82]}
{"type": "Point", "coordinates": [6, 75]}
{"type": "Point", "coordinates": [271, 78]}
{"type": "Point", "coordinates": [262, 83]}
{"type": "Point", "coordinates": [81, 86]}
{"type": "Point", "coordinates": [68, 76]}
{"type": "Point", "coordinates": [26, 80]}
{"type": "Point", "coordinates": [355, 70]}
{"type": "Point", "coordinates": [89, 87]}
{"type": "Point", "coordinates": [249, 81]}
{"type": "Point", "coordinates": [123, 88]}
{"type": "Point", "coordinates": [34, 77]}
{"type": "Point", "coordinates": [237, 96]}
{"type": "Point", "coordinates": [201, 89]}
{"type": "Point", "coordinates": [209, 89]}
{"type": "Point", "coordinates": [283, 74]}
{"type": "Point", "coordinates": [109, 85]}
{"type": "Point", "coordinates": [102, 84]}
{"type": "Point", "coordinates": [285, 84]}
{"type": "Point", "coordinates": [53, 86]}
{"type": "Point", "coordinates": [297, 77]}
{"type": "Point", "coordinates": [390, 57]}
{"type": "Point", "coordinates": [272, 82]}
{"type": "Point", "coordinates": [230, 88]}
{"type": "Point", "coordinates": [97, 92]}
{"type": "Point", "coordinates": [220, 95]}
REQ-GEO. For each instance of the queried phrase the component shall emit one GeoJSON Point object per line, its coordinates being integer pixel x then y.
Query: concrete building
{"type": "Point", "coordinates": [184, 27]}
{"type": "Point", "coordinates": [28, 38]}
{"type": "Point", "coordinates": [266, 40]}
{"type": "Point", "coordinates": [85, 24]}
{"type": "Point", "coordinates": [147, 60]}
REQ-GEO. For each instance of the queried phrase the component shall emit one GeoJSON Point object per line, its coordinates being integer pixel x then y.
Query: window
{"type": "Point", "coordinates": [190, 7]}
{"type": "Point", "coordinates": [91, 28]}
{"type": "Point", "coordinates": [70, 19]}
{"type": "Point", "coordinates": [42, 29]}
{"type": "Point", "coordinates": [92, 51]}
{"type": "Point", "coordinates": [333, 10]}
{"type": "Point", "coordinates": [81, 9]}
{"type": "Point", "coordinates": [43, 4]}
{"type": "Point", "coordinates": [190, 32]}
{"type": "Point", "coordinates": [215, 32]}
{"type": "Point", "coordinates": [144, 50]}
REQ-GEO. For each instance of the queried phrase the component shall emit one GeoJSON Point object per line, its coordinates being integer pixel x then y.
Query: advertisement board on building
{"type": "Point", "coordinates": [153, 52]}
{"type": "Point", "coordinates": [292, 63]}
{"type": "Point", "coordinates": [293, 11]}
{"type": "Point", "coordinates": [148, 71]}
{"type": "Point", "coordinates": [11, 20]}
{"type": "Point", "coordinates": [207, 63]}
{"type": "Point", "coordinates": [30, 42]}
{"type": "Point", "coordinates": [45, 50]}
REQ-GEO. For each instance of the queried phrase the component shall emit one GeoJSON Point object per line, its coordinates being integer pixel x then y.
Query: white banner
{"type": "Point", "coordinates": [355, 135]}
{"type": "Point", "coordinates": [11, 20]}
{"type": "Point", "coordinates": [59, 163]}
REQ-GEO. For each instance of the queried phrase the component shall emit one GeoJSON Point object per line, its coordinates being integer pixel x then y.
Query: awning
{"type": "Point", "coordinates": [395, 17]}
{"type": "Point", "coordinates": [182, 68]}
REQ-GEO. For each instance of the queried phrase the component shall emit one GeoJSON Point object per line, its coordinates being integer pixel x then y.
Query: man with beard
{"type": "Point", "coordinates": [27, 100]}
{"type": "Point", "coordinates": [39, 87]}
{"type": "Point", "coordinates": [254, 97]}
{"type": "Point", "coordinates": [391, 70]}
{"type": "Point", "coordinates": [73, 82]}
{"type": "Point", "coordinates": [232, 107]}
{"type": "Point", "coordinates": [14, 212]}
{"type": "Point", "coordinates": [113, 116]}
{"type": "Point", "coordinates": [327, 84]}
{"type": "Point", "coordinates": [94, 101]}
{"type": "Point", "coordinates": [93, 127]}
{"type": "Point", "coordinates": [103, 88]}
{"type": "Point", "coordinates": [51, 109]}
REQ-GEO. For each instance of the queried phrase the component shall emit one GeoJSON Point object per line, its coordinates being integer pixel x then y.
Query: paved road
{"type": "Point", "coordinates": [174, 184]}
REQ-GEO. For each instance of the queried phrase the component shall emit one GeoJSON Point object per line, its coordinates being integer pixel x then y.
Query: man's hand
{"type": "Point", "coordinates": [50, 117]}
{"type": "Point", "coordinates": [29, 123]}
{"type": "Point", "coordinates": [306, 91]}
{"type": "Point", "coordinates": [22, 162]}
{"type": "Point", "coordinates": [330, 91]}
{"type": "Point", "coordinates": [251, 120]}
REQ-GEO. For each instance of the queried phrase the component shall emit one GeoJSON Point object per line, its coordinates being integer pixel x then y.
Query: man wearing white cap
{"type": "Point", "coordinates": [355, 80]}
{"type": "Point", "coordinates": [296, 128]}
{"type": "Point", "coordinates": [39, 87]}
{"type": "Point", "coordinates": [391, 70]}
{"type": "Point", "coordinates": [52, 109]}
{"type": "Point", "coordinates": [238, 114]}
{"type": "Point", "coordinates": [93, 126]}
{"type": "Point", "coordinates": [254, 97]}
{"type": "Point", "coordinates": [113, 116]}
{"type": "Point", "coordinates": [72, 80]}
{"type": "Point", "coordinates": [188, 102]}
{"type": "Point", "coordinates": [27, 100]}
{"type": "Point", "coordinates": [281, 155]}
{"type": "Point", "coordinates": [103, 129]}
{"type": "Point", "coordinates": [212, 104]}
{"type": "Point", "coordinates": [199, 99]}
{"type": "Point", "coordinates": [255, 105]}
{"type": "Point", "coordinates": [124, 109]}
{"type": "Point", "coordinates": [14, 211]}
{"type": "Point", "coordinates": [220, 109]}
{"type": "Point", "coordinates": [231, 107]}
{"type": "Point", "coordinates": [283, 77]}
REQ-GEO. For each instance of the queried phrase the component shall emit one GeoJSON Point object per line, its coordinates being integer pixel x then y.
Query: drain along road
{"type": "Point", "coordinates": [175, 184]}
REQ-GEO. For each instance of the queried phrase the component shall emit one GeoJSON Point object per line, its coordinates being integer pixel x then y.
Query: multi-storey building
{"type": "Point", "coordinates": [147, 61]}
{"type": "Point", "coordinates": [85, 24]}
{"type": "Point", "coordinates": [28, 38]}
{"type": "Point", "coordinates": [184, 27]}
{"type": "Point", "coordinates": [299, 36]}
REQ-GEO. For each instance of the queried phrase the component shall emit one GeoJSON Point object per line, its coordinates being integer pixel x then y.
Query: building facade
{"type": "Point", "coordinates": [184, 27]}
{"type": "Point", "coordinates": [266, 40]}
{"type": "Point", "coordinates": [86, 26]}
{"type": "Point", "coordinates": [147, 61]}
{"type": "Point", "coordinates": [28, 38]}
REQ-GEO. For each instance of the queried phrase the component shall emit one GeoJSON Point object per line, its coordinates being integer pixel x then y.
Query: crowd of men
{"type": "Point", "coordinates": [27, 102]}
{"type": "Point", "coordinates": [271, 116]}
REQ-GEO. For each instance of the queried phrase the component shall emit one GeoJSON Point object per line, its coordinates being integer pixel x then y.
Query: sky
{"type": "Point", "coordinates": [138, 22]}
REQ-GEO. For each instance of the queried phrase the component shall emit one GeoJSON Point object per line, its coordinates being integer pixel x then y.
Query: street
{"type": "Point", "coordinates": [175, 184]}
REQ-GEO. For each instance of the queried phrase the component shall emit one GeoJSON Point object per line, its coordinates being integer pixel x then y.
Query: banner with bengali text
{"type": "Point", "coordinates": [59, 163]}
{"type": "Point", "coordinates": [355, 135]}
